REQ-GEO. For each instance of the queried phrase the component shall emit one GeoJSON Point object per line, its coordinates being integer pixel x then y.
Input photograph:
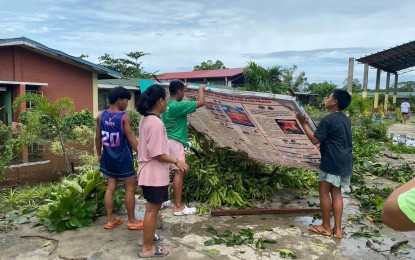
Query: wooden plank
{"type": "Point", "coordinates": [228, 212]}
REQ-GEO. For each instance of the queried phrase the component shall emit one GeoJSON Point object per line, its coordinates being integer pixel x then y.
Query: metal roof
{"type": "Point", "coordinates": [223, 73]}
{"type": "Point", "coordinates": [132, 82]}
{"type": "Point", "coordinates": [30, 44]}
{"type": "Point", "coordinates": [392, 60]}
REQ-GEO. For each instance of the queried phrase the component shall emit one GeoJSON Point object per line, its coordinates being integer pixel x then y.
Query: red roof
{"type": "Point", "coordinates": [202, 74]}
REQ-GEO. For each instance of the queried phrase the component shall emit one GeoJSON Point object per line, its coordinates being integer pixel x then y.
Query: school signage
{"type": "Point", "coordinates": [263, 125]}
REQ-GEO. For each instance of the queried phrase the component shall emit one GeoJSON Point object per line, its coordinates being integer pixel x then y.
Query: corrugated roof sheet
{"type": "Point", "coordinates": [202, 74]}
{"type": "Point", "coordinates": [120, 82]}
{"type": "Point", "coordinates": [23, 41]}
{"type": "Point", "coordinates": [392, 60]}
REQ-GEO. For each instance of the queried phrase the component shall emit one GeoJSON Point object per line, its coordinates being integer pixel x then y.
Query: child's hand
{"type": "Point", "coordinates": [202, 87]}
{"type": "Point", "coordinates": [302, 118]}
{"type": "Point", "coordinates": [182, 166]}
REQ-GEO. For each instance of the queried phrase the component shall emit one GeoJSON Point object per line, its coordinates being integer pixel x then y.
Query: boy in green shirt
{"type": "Point", "coordinates": [175, 121]}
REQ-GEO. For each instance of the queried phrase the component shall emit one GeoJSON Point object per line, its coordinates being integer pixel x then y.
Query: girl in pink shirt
{"type": "Point", "coordinates": [153, 155]}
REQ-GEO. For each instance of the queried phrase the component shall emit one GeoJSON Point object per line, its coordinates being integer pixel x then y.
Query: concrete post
{"type": "Point", "coordinates": [395, 89]}
{"type": "Point", "coordinates": [388, 79]}
{"type": "Point", "coordinates": [350, 75]}
{"type": "Point", "coordinates": [376, 103]}
{"type": "Point", "coordinates": [365, 77]}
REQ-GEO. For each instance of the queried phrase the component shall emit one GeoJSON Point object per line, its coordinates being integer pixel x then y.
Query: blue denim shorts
{"type": "Point", "coordinates": [343, 181]}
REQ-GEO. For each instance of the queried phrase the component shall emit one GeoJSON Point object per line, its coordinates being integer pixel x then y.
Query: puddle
{"type": "Point", "coordinates": [40, 165]}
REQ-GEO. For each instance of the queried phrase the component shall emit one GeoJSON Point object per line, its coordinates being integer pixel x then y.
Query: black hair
{"type": "Point", "coordinates": [118, 92]}
{"type": "Point", "coordinates": [343, 98]}
{"type": "Point", "coordinates": [175, 86]}
{"type": "Point", "coordinates": [149, 98]}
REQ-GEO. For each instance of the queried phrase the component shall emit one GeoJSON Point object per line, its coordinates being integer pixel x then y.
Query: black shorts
{"type": "Point", "coordinates": [156, 195]}
{"type": "Point", "coordinates": [403, 113]}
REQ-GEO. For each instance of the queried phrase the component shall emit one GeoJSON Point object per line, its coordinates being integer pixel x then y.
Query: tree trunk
{"type": "Point", "coordinates": [65, 155]}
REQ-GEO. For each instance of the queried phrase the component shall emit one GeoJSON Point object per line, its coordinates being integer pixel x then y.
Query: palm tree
{"type": "Point", "coordinates": [44, 108]}
{"type": "Point", "coordinates": [263, 80]}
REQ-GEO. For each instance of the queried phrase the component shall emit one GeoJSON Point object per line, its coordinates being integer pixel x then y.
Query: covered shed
{"type": "Point", "coordinates": [396, 60]}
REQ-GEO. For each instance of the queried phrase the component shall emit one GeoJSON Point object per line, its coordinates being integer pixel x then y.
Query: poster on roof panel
{"type": "Point", "coordinates": [263, 125]}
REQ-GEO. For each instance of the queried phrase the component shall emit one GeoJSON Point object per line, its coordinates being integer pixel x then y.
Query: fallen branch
{"type": "Point", "coordinates": [47, 238]}
{"type": "Point", "coordinates": [371, 246]}
{"type": "Point", "coordinates": [397, 245]}
{"type": "Point", "coordinates": [391, 156]}
{"type": "Point", "coordinates": [73, 258]}
{"type": "Point", "coordinates": [227, 212]}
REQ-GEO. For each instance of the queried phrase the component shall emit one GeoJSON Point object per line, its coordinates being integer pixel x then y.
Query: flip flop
{"type": "Point", "coordinates": [136, 226]}
{"type": "Point", "coordinates": [167, 203]}
{"type": "Point", "coordinates": [156, 239]}
{"type": "Point", "coordinates": [314, 229]}
{"type": "Point", "coordinates": [158, 253]}
{"type": "Point", "coordinates": [117, 221]}
{"type": "Point", "coordinates": [185, 211]}
{"type": "Point", "coordinates": [336, 236]}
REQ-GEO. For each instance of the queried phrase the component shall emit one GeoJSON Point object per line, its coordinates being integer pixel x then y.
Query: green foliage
{"type": "Point", "coordinates": [297, 83]}
{"type": "Point", "coordinates": [23, 197]}
{"type": "Point", "coordinates": [78, 127]}
{"type": "Point", "coordinates": [129, 67]}
{"type": "Point", "coordinates": [359, 106]}
{"type": "Point", "coordinates": [401, 174]}
{"type": "Point", "coordinates": [73, 202]}
{"type": "Point", "coordinates": [46, 114]}
{"type": "Point", "coordinates": [323, 89]}
{"type": "Point", "coordinates": [295, 178]}
{"type": "Point", "coordinates": [356, 86]}
{"type": "Point", "coordinates": [77, 119]}
{"type": "Point", "coordinates": [401, 148]}
{"type": "Point", "coordinates": [275, 79]}
{"type": "Point", "coordinates": [245, 236]}
{"type": "Point", "coordinates": [372, 200]}
{"type": "Point", "coordinates": [233, 182]}
{"type": "Point", "coordinates": [10, 145]}
{"type": "Point", "coordinates": [370, 130]}
{"type": "Point", "coordinates": [368, 140]}
{"type": "Point", "coordinates": [367, 232]}
{"type": "Point", "coordinates": [209, 65]}
{"type": "Point", "coordinates": [406, 86]}
{"type": "Point", "coordinates": [260, 79]}
{"type": "Point", "coordinates": [238, 180]}
{"type": "Point", "coordinates": [135, 120]}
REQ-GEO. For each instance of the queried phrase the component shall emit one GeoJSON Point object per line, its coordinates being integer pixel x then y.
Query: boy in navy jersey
{"type": "Point", "coordinates": [114, 141]}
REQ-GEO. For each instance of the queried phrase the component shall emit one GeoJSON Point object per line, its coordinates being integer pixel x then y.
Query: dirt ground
{"type": "Point", "coordinates": [185, 236]}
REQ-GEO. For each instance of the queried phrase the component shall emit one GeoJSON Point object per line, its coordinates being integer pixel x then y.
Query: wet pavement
{"type": "Point", "coordinates": [185, 237]}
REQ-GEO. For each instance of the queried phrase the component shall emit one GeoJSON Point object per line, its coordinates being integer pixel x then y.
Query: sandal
{"type": "Point", "coordinates": [159, 253]}
{"type": "Point", "coordinates": [185, 211]}
{"type": "Point", "coordinates": [336, 236]}
{"type": "Point", "coordinates": [314, 229]}
{"type": "Point", "coordinates": [156, 239]}
{"type": "Point", "coordinates": [136, 226]}
{"type": "Point", "coordinates": [166, 204]}
{"type": "Point", "coordinates": [117, 221]}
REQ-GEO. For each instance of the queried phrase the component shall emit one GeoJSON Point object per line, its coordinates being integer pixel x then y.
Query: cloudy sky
{"type": "Point", "coordinates": [317, 36]}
